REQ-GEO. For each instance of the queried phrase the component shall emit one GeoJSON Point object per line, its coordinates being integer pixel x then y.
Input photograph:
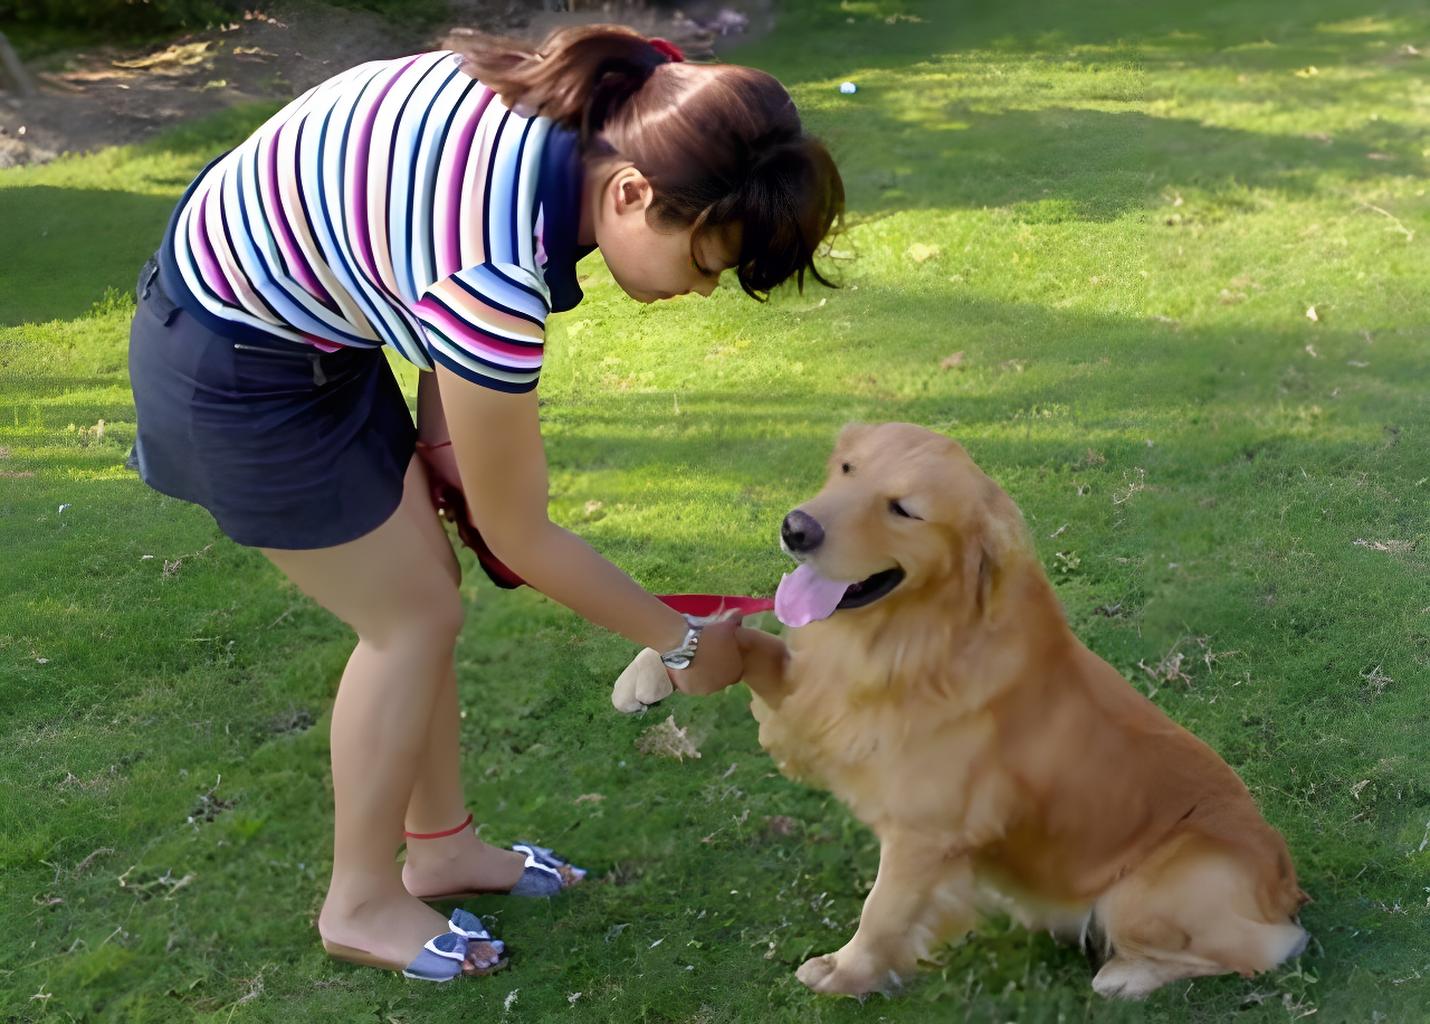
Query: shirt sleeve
{"type": "Point", "coordinates": [487, 323]}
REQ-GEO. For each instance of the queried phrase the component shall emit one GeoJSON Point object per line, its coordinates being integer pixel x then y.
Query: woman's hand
{"type": "Point", "coordinates": [717, 663]}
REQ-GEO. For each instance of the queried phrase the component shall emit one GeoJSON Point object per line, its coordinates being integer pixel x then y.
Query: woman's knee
{"type": "Point", "coordinates": [430, 618]}
{"type": "Point", "coordinates": [445, 614]}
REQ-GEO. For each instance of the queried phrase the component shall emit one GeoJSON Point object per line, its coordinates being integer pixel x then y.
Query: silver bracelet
{"type": "Point", "coordinates": [681, 657]}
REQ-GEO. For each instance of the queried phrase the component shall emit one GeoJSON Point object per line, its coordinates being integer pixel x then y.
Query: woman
{"type": "Point", "coordinates": [437, 205]}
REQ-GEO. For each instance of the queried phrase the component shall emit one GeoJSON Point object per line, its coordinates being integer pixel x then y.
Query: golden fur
{"type": "Point", "coordinates": [1000, 762]}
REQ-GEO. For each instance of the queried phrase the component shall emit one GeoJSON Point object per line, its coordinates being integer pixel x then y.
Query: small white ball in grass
{"type": "Point", "coordinates": [848, 88]}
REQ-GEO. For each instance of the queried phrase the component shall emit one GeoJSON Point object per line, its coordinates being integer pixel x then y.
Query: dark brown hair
{"type": "Point", "coordinates": [721, 144]}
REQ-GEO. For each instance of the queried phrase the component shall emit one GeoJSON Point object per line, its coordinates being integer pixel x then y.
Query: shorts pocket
{"type": "Point", "coordinates": [151, 298]}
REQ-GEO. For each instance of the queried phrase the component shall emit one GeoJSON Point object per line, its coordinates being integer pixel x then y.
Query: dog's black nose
{"type": "Point", "coordinates": [801, 532]}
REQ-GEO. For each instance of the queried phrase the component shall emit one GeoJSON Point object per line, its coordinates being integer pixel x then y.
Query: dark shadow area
{"type": "Point", "coordinates": [1184, 25]}
{"type": "Point", "coordinates": [1081, 164]}
{"type": "Point", "coordinates": [62, 248]}
{"type": "Point", "coordinates": [900, 151]}
{"type": "Point", "coordinates": [1208, 394]}
{"type": "Point", "coordinates": [1038, 387]}
{"type": "Point", "coordinates": [1244, 35]}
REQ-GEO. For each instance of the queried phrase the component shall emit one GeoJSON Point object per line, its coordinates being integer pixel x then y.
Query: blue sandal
{"type": "Point", "coordinates": [441, 957]}
{"type": "Point", "coordinates": [544, 874]}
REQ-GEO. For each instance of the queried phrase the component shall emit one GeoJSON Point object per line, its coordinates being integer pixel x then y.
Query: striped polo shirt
{"type": "Point", "coordinates": [399, 203]}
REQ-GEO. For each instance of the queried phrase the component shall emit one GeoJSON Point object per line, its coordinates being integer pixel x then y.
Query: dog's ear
{"type": "Point", "coordinates": [987, 549]}
{"type": "Point", "coordinates": [982, 572]}
{"type": "Point", "coordinates": [989, 573]}
{"type": "Point", "coordinates": [851, 435]}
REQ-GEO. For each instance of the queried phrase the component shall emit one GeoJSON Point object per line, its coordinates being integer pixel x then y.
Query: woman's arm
{"type": "Point", "coordinates": [431, 420]}
{"type": "Point", "coordinates": [432, 433]}
{"type": "Point", "coordinates": [502, 462]}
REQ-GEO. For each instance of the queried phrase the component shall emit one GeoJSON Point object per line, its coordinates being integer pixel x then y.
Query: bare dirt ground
{"type": "Point", "coordinates": [108, 96]}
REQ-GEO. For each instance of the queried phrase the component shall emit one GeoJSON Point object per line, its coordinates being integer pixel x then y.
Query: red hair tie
{"type": "Point", "coordinates": [672, 52]}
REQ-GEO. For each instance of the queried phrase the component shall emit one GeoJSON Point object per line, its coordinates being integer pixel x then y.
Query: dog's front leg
{"type": "Point", "coordinates": [765, 659]}
{"type": "Point", "coordinates": [922, 895]}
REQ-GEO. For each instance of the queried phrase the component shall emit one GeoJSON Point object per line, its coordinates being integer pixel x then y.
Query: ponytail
{"type": "Point", "coordinates": [579, 77]}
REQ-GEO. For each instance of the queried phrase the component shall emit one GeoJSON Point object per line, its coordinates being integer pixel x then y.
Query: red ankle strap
{"type": "Point", "coordinates": [439, 835]}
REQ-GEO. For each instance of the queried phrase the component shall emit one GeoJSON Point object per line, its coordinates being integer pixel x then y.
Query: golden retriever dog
{"type": "Point", "coordinates": [933, 685]}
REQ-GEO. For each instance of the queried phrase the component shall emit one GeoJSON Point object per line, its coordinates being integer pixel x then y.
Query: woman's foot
{"type": "Point", "coordinates": [462, 864]}
{"type": "Point", "coordinates": [393, 931]}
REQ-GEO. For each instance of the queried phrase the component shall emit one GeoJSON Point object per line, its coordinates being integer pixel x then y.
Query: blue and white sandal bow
{"type": "Point", "coordinates": [442, 957]}
{"type": "Point", "coordinates": [545, 874]}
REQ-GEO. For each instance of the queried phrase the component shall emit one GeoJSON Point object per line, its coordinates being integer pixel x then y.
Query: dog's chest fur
{"type": "Point", "coordinates": [896, 759]}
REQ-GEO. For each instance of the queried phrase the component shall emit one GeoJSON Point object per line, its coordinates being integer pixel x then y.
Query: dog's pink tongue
{"type": "Point", "coordinates": [804, 596]}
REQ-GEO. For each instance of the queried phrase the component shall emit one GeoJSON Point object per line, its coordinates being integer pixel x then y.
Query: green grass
{"type": "Point", "coordinates": [1124, 213]}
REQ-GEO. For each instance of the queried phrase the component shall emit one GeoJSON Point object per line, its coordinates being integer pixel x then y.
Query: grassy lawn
{"type": "Point", "coordinates": [1122, 218]}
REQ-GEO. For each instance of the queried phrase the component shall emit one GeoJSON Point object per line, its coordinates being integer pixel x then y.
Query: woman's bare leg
{"type": "Point", "coordinates": [392, 590]}
{"type": "Point", "coordinates": [453, 863]}
{"type": "Point", "coordinates": [461, 862]}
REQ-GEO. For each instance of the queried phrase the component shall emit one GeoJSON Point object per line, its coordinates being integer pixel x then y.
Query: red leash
{"type": "Point", "coordinates": [704, 605]}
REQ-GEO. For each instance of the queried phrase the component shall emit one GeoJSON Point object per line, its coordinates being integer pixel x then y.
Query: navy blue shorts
{"type": "Point", "coordinates": [286, 446]}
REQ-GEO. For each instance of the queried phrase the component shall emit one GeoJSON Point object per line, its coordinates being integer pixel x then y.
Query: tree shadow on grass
{"type": "Point", "coordinates": [1257, 34]}
{"type": "Point", "coordinates": [1036, 388]}
{"type": "Point", "coordinates": [64, 247]}
{"type": "Point", "coordinates": [1246, 36]}
{"type": "Point", "coordinates": [923, 138]}
{"type": "Point", "coordinates": [1066, 163]}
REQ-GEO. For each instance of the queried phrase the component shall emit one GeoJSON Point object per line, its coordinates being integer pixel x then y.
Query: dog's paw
{"type": "Point", "coordinates": [1122, 978]}
{"type": "Point", "coordinates": [813, 972]}
{"type": "Point", "coordinates": [826, 974]}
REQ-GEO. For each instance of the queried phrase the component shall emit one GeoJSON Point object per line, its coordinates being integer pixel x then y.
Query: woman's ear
{"type": "Point", "coordinates": [632, 191]}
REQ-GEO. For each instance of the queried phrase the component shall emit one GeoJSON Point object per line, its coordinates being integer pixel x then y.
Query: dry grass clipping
{"type": "Point", "coordinates": [667, 740]}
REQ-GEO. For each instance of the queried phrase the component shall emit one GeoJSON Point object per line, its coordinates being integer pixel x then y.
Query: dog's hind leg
{"type": "Point", "coordinates": [1240, 946]}
{"type": "Point", "coordinates": [921, 896]}
{"type": "Point", "coordinates": [1135, 978]}
{"type": "Point", "coordinates": [1192, 909]}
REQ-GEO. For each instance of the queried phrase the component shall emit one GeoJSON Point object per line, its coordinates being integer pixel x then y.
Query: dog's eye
{"type": "Point", "coordinates": [847, 468]}
{"type": "Point", "coordinates": [899, 510]}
